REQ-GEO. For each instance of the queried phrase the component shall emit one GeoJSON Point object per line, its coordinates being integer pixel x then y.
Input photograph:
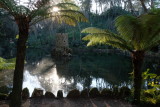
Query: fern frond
{"type": "Point", "coordinates": [67, 6]}
{"type": "Point", "coordinates": [7, 63]}
{"type": "Point", "coordinates": [93, 30]}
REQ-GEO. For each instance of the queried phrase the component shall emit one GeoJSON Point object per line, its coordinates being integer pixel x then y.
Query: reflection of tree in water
{"type": "Point", "coordinates": [98, 70]}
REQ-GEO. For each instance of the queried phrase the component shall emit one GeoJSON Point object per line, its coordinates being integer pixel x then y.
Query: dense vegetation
{"type": "Point", "coordinates": [34, 27]}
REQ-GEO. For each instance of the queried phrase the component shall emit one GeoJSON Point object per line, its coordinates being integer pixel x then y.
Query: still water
{"type": "Point", "coordinates": [80, 72]}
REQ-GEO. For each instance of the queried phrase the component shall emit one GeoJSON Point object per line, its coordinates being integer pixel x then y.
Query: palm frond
{"type": "Point", "coordinates": [79, 16]}
{"type": "Point", "coordinates": [93, 30]}
{"type": "Point", "coordinates": [67, 6]}
{"type": "Point", "coordinates": [8, 5]}
{"type": "Point", "coordinates": [71, 17]}
{"type": "Point", "coordinates": [101, 36]}
{"type": "Point", "coordinates": [127, 27]}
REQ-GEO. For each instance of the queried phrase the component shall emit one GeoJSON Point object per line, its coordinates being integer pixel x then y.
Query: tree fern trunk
{"type": "Point", "coordinates": [20, 58]}
{"type": "Point", "coordinates": [137, 58]}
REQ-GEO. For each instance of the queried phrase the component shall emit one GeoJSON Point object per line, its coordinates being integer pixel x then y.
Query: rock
{"type": "Point", "coordinates": [4, 89]}
{"type": "Point", "coordinates": [124, 92]}
{"type": "Point", "coordinates": [115, 92]}
{"type": "Point", "coordinates": [25, 94]}
{"type": "Point", "coordinates": [37, 93]}
{"type": "Point", "coordinates": [106, 93]}
{"type": "Point", "coordinates": [49, 95]}
{"type": "Point", "coordinates": [3, 96]}
{"type": "Point", "coordinates": [94, 93]}
{"type": "Point", "coordinates": [60, 94]}
{"type": "Point", "coordinates": [85, 93]}
{"type": "Point", "coordinates": [73, 94]}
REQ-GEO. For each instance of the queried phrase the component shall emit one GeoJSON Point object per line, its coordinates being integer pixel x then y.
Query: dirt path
{"type": "Point", "coordinates": [71, 103]}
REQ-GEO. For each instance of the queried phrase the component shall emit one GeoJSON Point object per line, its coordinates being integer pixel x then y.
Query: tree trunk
{"type": "Point", "coordinates": [152, 4]}
{"type": "Point", "coordinates": [137, 58]}
{"type": "Point", "coordinates": [19, 67]}
{"type": "Point", "coordinates": [144, 6]}
{"type": "Point", "coordinates": [131, 6]}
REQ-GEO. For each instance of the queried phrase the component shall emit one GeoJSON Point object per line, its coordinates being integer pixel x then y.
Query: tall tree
{"type": "Point", "coordinates": [25, 16]}
{"type": "Point", "coordinates": [144, 6]}
{"type": "Point", "coordinates": [135, 34]}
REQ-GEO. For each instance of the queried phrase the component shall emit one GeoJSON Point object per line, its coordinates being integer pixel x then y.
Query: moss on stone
{"type": "Point", "coordinates": [124, 92]}
{"type": "Point", "coordinates": [106, 93]}
{"type": "Point", "coordinates": [115, 92]}
{"type": "Point", "coordinates": [49, 95]}
{"type": "Point", "coordinates": [60, 94]}
{"type": "Point", "coordinates": [74, 94]}
{"type": "Point", "coordinates": [37, 93]}
{"type": "Point", "coordinates": [84, 93]}
{"type": "Point", "coordinates": [94, 93]}
{"type": "Point", "coordinates": [25, 94]}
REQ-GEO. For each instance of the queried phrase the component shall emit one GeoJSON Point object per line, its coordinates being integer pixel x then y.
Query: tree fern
{"type": "Point", "coordinates": [135, 34]}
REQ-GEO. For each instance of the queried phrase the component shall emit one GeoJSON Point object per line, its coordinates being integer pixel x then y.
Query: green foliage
{"type": "Point", "coordinates": [135, 33]}
{"type": "Point", "coordinates": [115, 12]}
{"type": "Point", "coordinates": [152, 94]}
{"type": "Point", "coordinates": [7, 63]}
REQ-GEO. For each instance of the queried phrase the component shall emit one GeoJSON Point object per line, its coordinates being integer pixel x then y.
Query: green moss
{"type": "Point", "coordinates": [84, 93]}
{"type": "Point", "coordinates": [94, 93]}
{"type": "Point", "coordinates": [73, 94]}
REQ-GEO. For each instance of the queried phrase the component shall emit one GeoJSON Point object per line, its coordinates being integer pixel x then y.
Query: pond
{"type": "Point", "coordinates": [80, 72]}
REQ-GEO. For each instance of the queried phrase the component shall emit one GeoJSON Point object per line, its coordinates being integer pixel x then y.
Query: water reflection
{"type": "Point", "coordinates": [53, 75]}
{"type": "Point", "coordinates": [31, 82]}
{"type": "Point", "coordinates": [86, 71]}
